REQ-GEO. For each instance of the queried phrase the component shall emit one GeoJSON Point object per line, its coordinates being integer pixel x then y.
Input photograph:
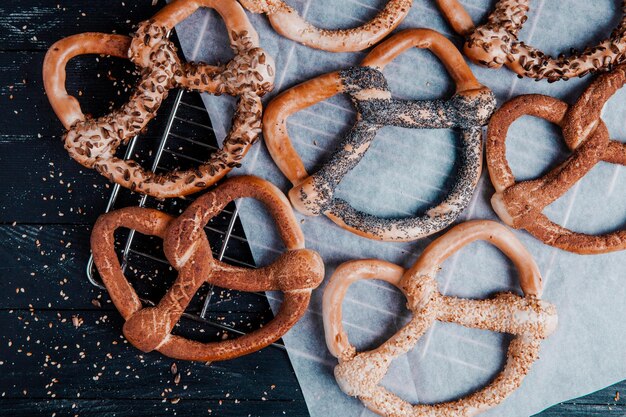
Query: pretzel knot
{"type": "Point", "coordinates": [520, 205]}
{"type": "Point", "coordinates": [296, 272]}
{"type": "Point", "coordinates": [528, 318]}
{"type": "Point", "coordinates": [367, 87]}
{"type": "Point", "coordinates": [287, 22]}
{"type": "Point", "coordinates": [495, 43]}
{"type": "Point", "coordinates": [94, 142]}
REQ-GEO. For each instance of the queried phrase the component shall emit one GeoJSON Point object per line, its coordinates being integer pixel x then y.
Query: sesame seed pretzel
{"type": "Point", "coordinates": [495, 43]}
{"type": "Point", "coordinates": [287, 22]}
{"type": "Point", "coordinates": [295, 273]}
{"type": "Point", "coordinates": [366, 85]}
{"type": "Point", "coordinates": [520, 205]}
{"type": "Point", "coordinates": [528, 318]}
{"type": "Point", "coordinates": [93, 142]}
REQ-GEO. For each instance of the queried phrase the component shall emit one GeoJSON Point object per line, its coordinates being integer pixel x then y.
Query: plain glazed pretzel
{"type": "Point", "coordinates": [366, 85]}
{"type": "Point", "coordinates": [93, 142]}
{"type": "Point", "coordinates": [520, 205]}
{"type": "Point", "coordinates": [528, 318]}
{"type": "Point", "coordinates": [495, 43]}
{"type": "Point", "coordinates": [287, 22]}
{"type": "Point", "coordinates": [295, 273]}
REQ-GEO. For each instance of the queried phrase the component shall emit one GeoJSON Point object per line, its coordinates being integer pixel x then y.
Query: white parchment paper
{"type": "Point", "coordinates": [408, 170]}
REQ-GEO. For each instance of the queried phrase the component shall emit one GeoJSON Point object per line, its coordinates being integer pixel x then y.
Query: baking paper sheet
{"type": "Point", "coordinates": [406, 171]}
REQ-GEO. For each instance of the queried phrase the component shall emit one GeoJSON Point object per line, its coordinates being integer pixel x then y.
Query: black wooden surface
{"type": "Point", "coordinates": [48, 364]}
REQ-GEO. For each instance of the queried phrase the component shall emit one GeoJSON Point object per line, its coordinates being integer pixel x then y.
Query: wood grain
{"type": "Point", "coordinates": [93, 361]}
{"type": "Point", "coordinates": [150, 408]}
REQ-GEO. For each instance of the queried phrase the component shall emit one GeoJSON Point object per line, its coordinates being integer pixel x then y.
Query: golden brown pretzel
{"type": "Point", "coordinates": [520, 205]}
{"type": "Point", "coordinates": [495, 43]}
{"type": "Point", "coordinates": [366, 85]}
{"type": "Point", "coordinates": [295, 273]}
{"type": "Point", "coordinates": [93, 142]}
{"type": "Point", "coordinates": [528, 318]}
{"type": "Point", "coordinates": [288, 23]}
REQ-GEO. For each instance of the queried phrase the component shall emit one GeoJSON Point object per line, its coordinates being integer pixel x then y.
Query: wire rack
{"type": "Point", "coordinates": [186, 140]}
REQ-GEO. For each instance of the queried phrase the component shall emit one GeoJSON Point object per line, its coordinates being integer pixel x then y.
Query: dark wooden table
{"type": "Point", "coordinates": [61, 350]}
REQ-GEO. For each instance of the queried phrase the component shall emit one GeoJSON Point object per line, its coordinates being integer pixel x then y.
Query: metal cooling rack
{"type": "Point", "coordinates": [183, 133]}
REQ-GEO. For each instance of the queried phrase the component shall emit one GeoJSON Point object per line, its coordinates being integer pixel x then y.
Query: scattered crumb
{"type": "Point", "coordinates": [77, 321]}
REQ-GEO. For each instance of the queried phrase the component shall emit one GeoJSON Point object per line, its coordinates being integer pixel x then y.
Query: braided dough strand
{"type": "Point", "coordinates": [94, 142]}
{"type": "Point", "coordinates": [287, 22]}
{"type": "Point", "coordinates": [527, 318]}
{"type": "Point", "coordinates": [295, 273]}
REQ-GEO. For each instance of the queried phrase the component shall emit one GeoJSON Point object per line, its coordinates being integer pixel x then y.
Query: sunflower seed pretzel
{"type": "Point", "coordinates": [287, 22]}
{"type": "Point", "coordinates": [93, 142]}
{"type": "Point", "coordinates": [520, 205]}
{"type": "Point", "coordinates": [366, 85]}
{"type": "Point", "coordinates": [295, 273]}
{"type": "Point", "coordinates": [528, 318]}
{"type": "Point", "coordinates": [495, 44]}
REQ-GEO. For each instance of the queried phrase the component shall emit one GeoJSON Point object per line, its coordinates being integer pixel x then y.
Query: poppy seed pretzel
{"type": "Point", "coordinates": [520, 205]}
{"type": "Point", "coordinates": [287, 22]}
{"type": "Point", "coordinates": [295, 273]}
{"type": "Point", "coordinates": [366, 85]}
{"type": "Point", "coordinates": [495, 43]}
{"type": "Point", "coordinates": [528, 318]}
{"type": "Point", "coordinates": [93, 142]}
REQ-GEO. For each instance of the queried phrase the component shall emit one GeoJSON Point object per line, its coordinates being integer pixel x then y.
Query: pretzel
{"type": "Point", "coordinates": [295, 273]}
{"type": "Point", "coordinates": [495, 43]}
{"type": "Point", "coordinates": [287, 22]}
{"type": "Point", "coordinates": [366, 85]}
{"type": "Point", "coordinates": [585, 115]}
{"type": "Point", "coordinates": [520, 205]}
{"type": "Point", "coordinates": [528, 318]}
{"type": "Point", "coordinates": [93, 142]}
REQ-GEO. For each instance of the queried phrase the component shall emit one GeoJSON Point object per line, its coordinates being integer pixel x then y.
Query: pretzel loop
{"type": "Point", "coordinates": [287, 22]}
{"type": "Point", "coordinates": [520, 205]}
{"type": "Point", "coordinates": [496, 43]}
{"type": "Point", "coordinates": [186, 247]}
{"type": "Point", "coordinates": [367, 87]}
{"type": "Point", "coordinates": [66, 106]}
{"type": "Point", "coordinates": [527, 318]}
{"type": "Point", "coordinates": [585, 115]}
{"type": "Point", "coordinates": [145, 221]}
{"type": "Point", "coordinates": [93, 142]}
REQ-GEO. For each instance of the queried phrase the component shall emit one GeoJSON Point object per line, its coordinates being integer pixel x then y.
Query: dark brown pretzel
{"type": "Point", "coordinates": [295, 273]}
{"type": "Point", "coordinates": [93, 142]}
{"type": "Point", "coordinates": [520, 205]}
